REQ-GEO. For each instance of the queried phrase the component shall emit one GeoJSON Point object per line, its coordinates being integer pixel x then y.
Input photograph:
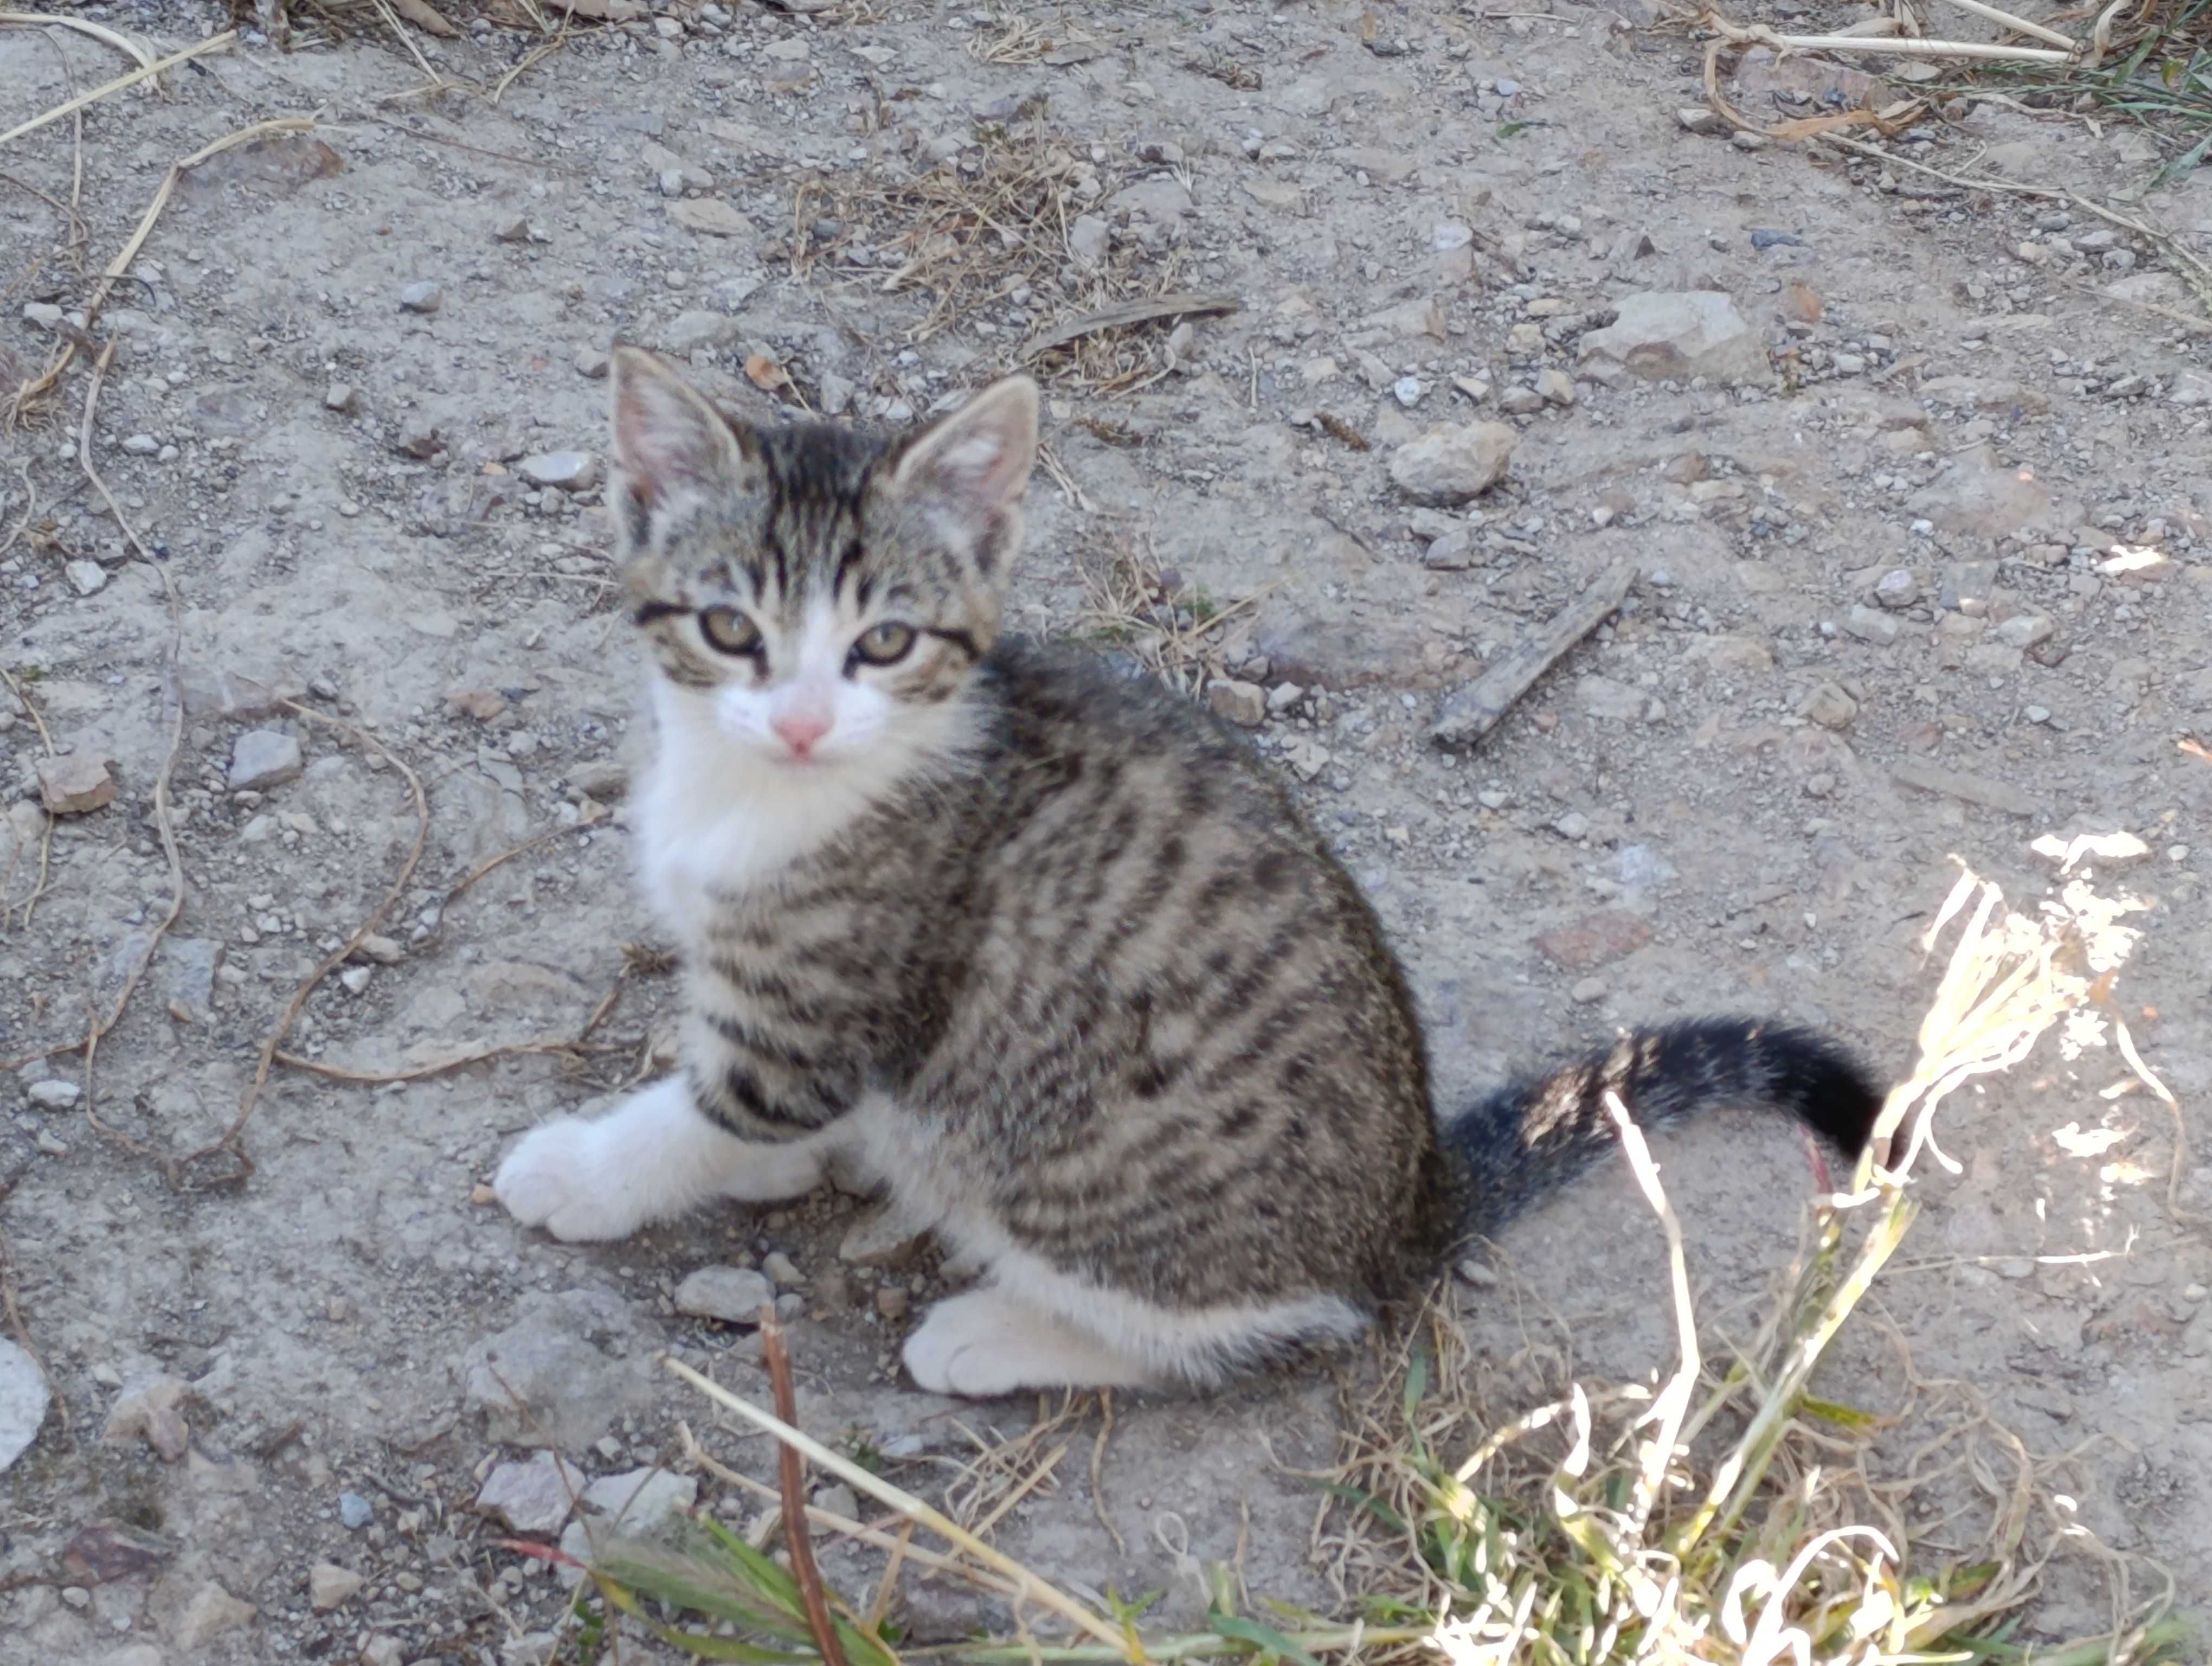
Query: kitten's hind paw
{"type": "Point", "coordinates": [986, 1343]}
{"type": "Point", "coordinates": [557, 1178]}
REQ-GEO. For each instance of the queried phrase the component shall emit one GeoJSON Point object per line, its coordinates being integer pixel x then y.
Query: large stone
{"type": "Point", "coordinates": [75, 783]}
{"type": "Point", "coordinates": [566, 1367]}
{"type": "Point", "coordinates": [734, 1295]}
{"type": "Point", "coordinates": [23, 1399]}
{"type": "Point", "coordinates": [264, 758]}
{"type": "Point", "coordinates": [534, 1496]}
{"type": "Point", "coordinates": [1675, 335]}
{"type": "Point", "coordinates": [1449, 465]}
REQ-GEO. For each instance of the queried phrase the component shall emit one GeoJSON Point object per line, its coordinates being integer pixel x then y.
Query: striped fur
{"type": "Point", "coordinates": [1048, 950]}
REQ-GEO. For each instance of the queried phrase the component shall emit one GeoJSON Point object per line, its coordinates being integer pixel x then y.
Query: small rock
{"type": "Point", "coordinates": [153, 1412]}
{"type": "Point", "coordinates": [698, 327]}
{"type": "Point", "coordinates": [382, 1650]}
{"type": "Point", "coordinates": [1572, 826]}
{"type": "Point", "coordinates": [1587, 990]}
{"type": "Point", "coordinates": [1829, 707]}
{"type": "Point", "coordinates": [781, 1268]}
{"type": "Point", "coordinates": [1244, 704]}
{"type": "Point", "coordinates": [211, 1612]}
{"type": "Point", "coordinates": [1897, 588]}
{"type": "Point", "coordinates": [75, 783]}
{"type": "Point", "coordinates": [839, 1499]}
{"type": "Point", "coordinates": [87, 578]}
{"type": "Point", "coordinates": [711, 216]}
{"type": "Point", "coordinates": [892, 1302]}
{"type": "Point", "coordinates": [882, 1237]}
{"type": "Point", "coordinates": [1088, 238]}
{"type": "Point", "coordinates": [1450, 465]}
{"type": "Point", "coordinates": [1455, 552]}
{"type": "Point", "coordinates": [264, 758]}
{"type": "Point", "coordinates": [734, 1295]}
{"type": "Point", "coordinates": [570, 471]}
{"type": "Point", "coordinates": [1677, 336]}
{"type": "Point", "coordinates": [1478, 1274]}
{"type": "Point", "coordinates": [590, 362]}
{"type": "Point", "coordinates": [1520, 401]}
{"type": "Point", "coordinates": [353, 980]}
{"type": "Point", "coordinates": [1556, 387]}
{"type": "Point", "coordinates": [384, 951]}
{"type": "Point", "coordinates": [104, 1552]}
{"type": "Point", "coordinates": [44, 314]}
{"type": "Point", "coordinates": [2025, 630]}
{"type": "Point", "coordinates": [420, 298]}
{"type": "Point", "coordinates": [23, 1399]}
{"type": "Point", "coordinates": [419, 437]}
{"type": "Point", "coordinates": [1871, 625]}
{"type": "Point", "coordinates": [1701, 120]}
{"type": "Point", "coordinates": [329, 1586]}
{"type": "Point", "coordinates": [639, 1500]}
{"type": "Point", "coordinates": [340, 397]}
{"type": "Point", "coordinates": [1596, 940]}
{"type": "Point", "coordinates": [534, 1496]}
{"type": "Point", "coordinates": [355, 1512]}
{"type": "Point", "coordinates": [485, 705]}
{"type": "Point", "coordinates": [55, 1094]}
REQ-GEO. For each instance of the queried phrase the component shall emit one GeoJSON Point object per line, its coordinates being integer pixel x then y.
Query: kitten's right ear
{"type": "Point", "coordinates": [668, 439]}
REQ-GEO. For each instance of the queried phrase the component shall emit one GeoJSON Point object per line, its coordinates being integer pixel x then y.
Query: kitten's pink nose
{"type": "Point", "coordinates": [800, 730]}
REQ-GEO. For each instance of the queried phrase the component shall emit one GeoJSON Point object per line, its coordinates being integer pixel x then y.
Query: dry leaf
{"type": "Point", "coordinates": [424, 16]}
{"type": "Point", "coordinates": [765, 373]}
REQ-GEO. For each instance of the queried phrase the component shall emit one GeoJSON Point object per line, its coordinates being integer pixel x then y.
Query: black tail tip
{"type": "Point", "coordinates": [1820, 1080]}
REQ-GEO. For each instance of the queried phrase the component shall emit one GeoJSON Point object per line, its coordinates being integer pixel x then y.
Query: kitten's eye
{"type": "Point", "coordinates": [885, 644]}
{"type": "Point", "coordinates": [729, 630]}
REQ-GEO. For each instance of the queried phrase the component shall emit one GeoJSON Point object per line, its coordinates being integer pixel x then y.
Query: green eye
{"type": "Point", "coordinates": [885, 644]}
{"type": "Point", "coordinates": [729, 630]}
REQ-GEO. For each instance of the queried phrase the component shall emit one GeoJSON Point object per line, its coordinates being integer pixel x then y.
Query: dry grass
{"type": "Point", "coordinates": [1178, 633]}
{"type": "Point", "coordinates": [1720, 1511]}
{"type": "Point", "coordinates": [968, 234]}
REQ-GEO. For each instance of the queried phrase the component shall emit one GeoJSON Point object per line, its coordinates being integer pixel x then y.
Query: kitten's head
{"type": "Point", "coordinates": [827, 594]}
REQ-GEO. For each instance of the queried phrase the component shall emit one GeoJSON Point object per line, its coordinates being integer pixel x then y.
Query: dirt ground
{"type": "Point", "coordinates": [356, 491]}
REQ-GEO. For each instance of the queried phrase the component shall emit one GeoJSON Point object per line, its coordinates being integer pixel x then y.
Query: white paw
{"type": "Point", "coordinates": [985, 1343]}
{"type": "Point", "coordinates": [557, 1178]}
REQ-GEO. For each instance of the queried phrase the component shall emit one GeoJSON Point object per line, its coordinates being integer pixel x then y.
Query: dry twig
{"type": "Point", "coordinates": [789, 1470]}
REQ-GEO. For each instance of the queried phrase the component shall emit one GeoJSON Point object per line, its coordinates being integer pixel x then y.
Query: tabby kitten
{"type": "Point", "coordinates": [1048, 951]}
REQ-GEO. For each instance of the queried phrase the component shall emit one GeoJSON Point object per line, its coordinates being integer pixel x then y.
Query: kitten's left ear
{"type": "Point", "coordinates": [970, 469]}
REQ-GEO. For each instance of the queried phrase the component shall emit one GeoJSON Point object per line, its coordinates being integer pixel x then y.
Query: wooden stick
{"type": "Point", "coordinates": [1124, 314]}
{"type": "Point", "coordinates": [796, 1534]}
{"type": "Point", "coordinates": [1471, 711]}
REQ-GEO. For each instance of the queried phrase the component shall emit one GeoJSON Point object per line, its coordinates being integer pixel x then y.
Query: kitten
{"type": "Point", "coordinates": [1049, 950]}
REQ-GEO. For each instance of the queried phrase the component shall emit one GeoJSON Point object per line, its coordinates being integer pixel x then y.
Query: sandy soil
{"type": "Point", "coordinates": [355, 492]}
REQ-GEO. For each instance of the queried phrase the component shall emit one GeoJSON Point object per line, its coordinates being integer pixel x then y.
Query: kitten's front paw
{"type": "Point", "coordinates": [556, 1177]}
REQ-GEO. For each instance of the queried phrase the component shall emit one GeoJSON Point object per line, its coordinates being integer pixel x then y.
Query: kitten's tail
{"type": "Point", "coordinates": [1532, 1137]}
